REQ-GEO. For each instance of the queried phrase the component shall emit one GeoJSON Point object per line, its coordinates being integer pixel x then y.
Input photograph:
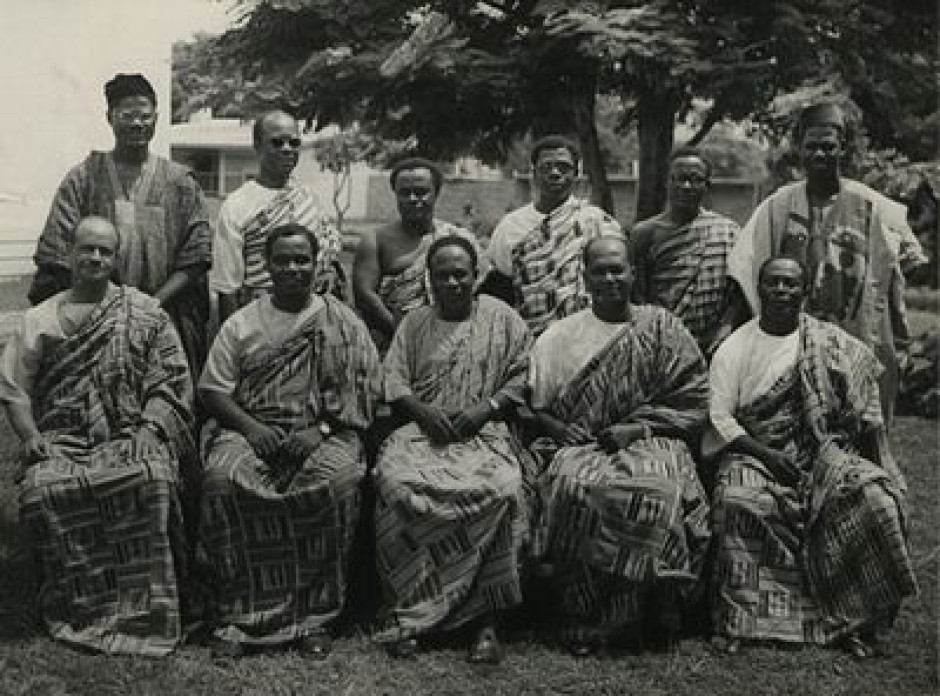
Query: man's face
{"type": "Point", "coordinates": [94, 252]}
{"type": "Point", "coordinates": [781, 289]}
{"type": "Point", "coordinates": [291, 265]}
{"type": "Point", "coordinates": [607, 273]}
{"type": "Point", "coordinates": [688, 182]}
{"type": "Point", "coordinates": [452, 278]}
{"type": "Point", "coordinates": [279, 147]}
{"type": "Point", "coordinates": [821, 151]}
{"type": "Point", "coordinates": [415, 194]}
{"type": "Point", "coordinates": [555, 171]}
{"type": "Point", "coordinates": [133, 120]}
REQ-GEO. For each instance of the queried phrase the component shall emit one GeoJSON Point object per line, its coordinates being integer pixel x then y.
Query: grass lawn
{"type": "Point", "coordinates": [31, 664]}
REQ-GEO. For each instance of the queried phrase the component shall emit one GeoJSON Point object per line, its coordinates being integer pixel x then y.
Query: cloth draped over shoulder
{"type": "Point", "coordinates": [105, 519]}
{"type": "Point", "coordinates": [628, 530]}
{"type": "Point", "coordinates": [163, 225]}
{"type": "Point", "coordinates": [247, 217]}
{"type": "Point", "coordinates": [451, 519]}
{"type": "Point", "coordinates": [687, 271]}
{"type": "Point", "coordinates": [814, 561]}
{"type": "Point", "coordinates": [276, 534]}
{"type": "Point", "coordinates": [852, 263]}
{"type": "Point", "coordinates": [547, 262]}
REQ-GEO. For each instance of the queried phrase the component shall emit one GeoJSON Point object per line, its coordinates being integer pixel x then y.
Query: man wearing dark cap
{"type": "Point", "coordinates": [157, 208]}
{"type": "Point", "coordinates": [835, 227]}
{"type": "Point", "coordinates": [390, 269]}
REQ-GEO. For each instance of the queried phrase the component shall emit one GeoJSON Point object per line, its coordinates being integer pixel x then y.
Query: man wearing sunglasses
{"type": "Point", "coordinates": [535, 250]}
{"type": "Point", "coordinates": [275, 198]}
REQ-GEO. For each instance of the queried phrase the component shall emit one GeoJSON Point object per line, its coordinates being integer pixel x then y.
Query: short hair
{"type": "Point", "coordinates": [821, 115]}
{"type": "Point", "coordinates": [98, 219]}
{"type": "Point", "coordinates": [690, 151]}
{"type": "Point", "coordinates": [289, 230]}
{"type": "Point", "coordinates": [781, 257]}
{"type": "Point", "coordinates": [125, 85]}
{"type": "Point", "coordinates": [586, 251]}
{"type": "Point", "coordinates": [437, 176]}
{"type": "Point", "coordinates": [257, 128]}
{"type": "Point", "coordinates": [553, 142]}
{"type": "Point", "coordinates": [450, 240]}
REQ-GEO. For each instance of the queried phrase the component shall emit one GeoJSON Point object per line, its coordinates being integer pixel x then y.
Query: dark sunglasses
{"type": "Point", "coordinates": [281, 142]}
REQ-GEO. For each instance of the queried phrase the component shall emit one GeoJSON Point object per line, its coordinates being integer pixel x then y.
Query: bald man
{"type": "Point", "coordinates": [96, 385]}
{"type": "Point", "coordinates": [273, 199]}
{"type": "Point", "coordinates": [621, 392]}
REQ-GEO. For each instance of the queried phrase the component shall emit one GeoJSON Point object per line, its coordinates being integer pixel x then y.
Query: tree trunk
{"type": "Point", "coordinates": [584, 99]}
{"type": "Point", "coordinates": [656, 118]}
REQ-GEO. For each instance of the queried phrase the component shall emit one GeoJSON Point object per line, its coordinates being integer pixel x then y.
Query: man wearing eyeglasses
{"type": "Point", "coordinates": [275, 198]}
{"type": "Point", "coordinates": [535, 250]}
{"type": "Point", "coordinates": [156, 207]}
{"type": "Point", "coordinates": [681, 255]}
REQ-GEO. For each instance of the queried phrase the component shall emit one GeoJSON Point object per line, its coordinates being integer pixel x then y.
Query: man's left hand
{"type": "Point", "coordinates": [302, 443]}
{"type": "Point", "coordinates": [619, 437]}
{"type": "Point", "coordinates": [468, 423]}
{"type": "Point", "coordinates": [147, 443]}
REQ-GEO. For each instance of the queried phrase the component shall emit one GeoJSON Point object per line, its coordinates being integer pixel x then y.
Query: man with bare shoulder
{"type": "Point", "coordinates": [390, 268]}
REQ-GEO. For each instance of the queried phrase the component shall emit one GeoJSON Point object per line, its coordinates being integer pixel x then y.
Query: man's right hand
{"type": "Point", "coordinates": [782, 465]}
{"type": "Point", "coordinates": [264, 441]}
{"type": "Point", "coordinates": [36, 448]}
{"type": "Point", "coordinates": [435, 424]}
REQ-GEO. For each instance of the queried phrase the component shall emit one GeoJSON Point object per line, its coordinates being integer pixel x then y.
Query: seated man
{"type": "Point", "coordinates": [390, 270]}
{"type": "Point", "coordinates": [620, 390]}
{"type": "Point", "coordinates": [292, 380]}
{"type": "Point", "coordinates": [96, 384]}
{"type": "Point", "coordinates": [450, 515]}
{"type": "Point", "coordinates": [535, 250]}
{"type": "Point", "coordinates": [681, 255]}
{"type": "Point", "coordinates": [810, 536]}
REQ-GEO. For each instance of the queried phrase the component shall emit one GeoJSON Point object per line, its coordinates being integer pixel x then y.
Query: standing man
{"type": "Point", "coordinates": [535, 250]}
{"type": "Point", "coordinates": [808, 517]}
{"type": "Point", "coordinates": [681, 255]}
{"type": "Point", "coordinates": [292, 380]}
{"type": "Point", "coordinates": [95, 384]}
{"type": "Point", "coordinates": [239, 272]}
{"type": "Point", "coordinates": [157, 208]}
{"type": "Point", "coordinates": [390, 269]}
{"type": "Point", "coordinates": [833, 226]}
{"type": "Point", "coordinates": [621, 392]}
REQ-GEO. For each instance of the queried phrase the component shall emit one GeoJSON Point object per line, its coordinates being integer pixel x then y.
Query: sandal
{"type": "Point", "coordinates": [403, 649]}
{"type": "Point", "coordinates": [858, 648]}
{"type": "Point", "coordinates": [316, 647]}
{"type": "Point", "coordinates": [487, 649]}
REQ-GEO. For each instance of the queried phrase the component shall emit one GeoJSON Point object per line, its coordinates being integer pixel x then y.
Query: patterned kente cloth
{"type": "Point", "coordinates": [829, 556]}
{"type": "Point", "coordinates": [105, 522]}
{"type": "Point", "coordinates": [164, 227]}
{"type": "Point", "coordinates": [627, 532]}
{"type": "Point", "coordinates": [685, 269]}
{"type": "Point", "coordinates": [276, 536]}
{"type": "Point", "coordinates": [451, 519]}
{"type": "Point", "coordinates": [547, 269]}
{"type": "Point", "coordinates": [247, 217]}
{"type": "Point", "coordinates": [852, 262]}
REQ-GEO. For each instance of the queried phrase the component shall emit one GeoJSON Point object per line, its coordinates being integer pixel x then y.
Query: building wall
{"type": "Point", "coordinates": [57, 57]}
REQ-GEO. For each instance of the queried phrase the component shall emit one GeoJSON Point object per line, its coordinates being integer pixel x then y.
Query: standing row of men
{"type": "Point", "coordinates": [606, 491]}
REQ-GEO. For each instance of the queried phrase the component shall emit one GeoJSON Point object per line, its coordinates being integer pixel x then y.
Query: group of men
{"type": "Point", "coordinates": [549, 405]}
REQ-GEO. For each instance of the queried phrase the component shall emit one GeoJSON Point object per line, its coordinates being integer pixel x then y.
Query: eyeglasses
{"type": "Point", "coordinates": [691, 179]}
{"type": "Point", "coordinates": [278, 143]}
{"type": "Point", "coordinates": [131, 116]}
{"type": "Point", "coordinates": [547, 167]}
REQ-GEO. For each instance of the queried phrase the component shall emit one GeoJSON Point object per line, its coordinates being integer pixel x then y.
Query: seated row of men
{"type": "Point", "coordinates": [599, 485]}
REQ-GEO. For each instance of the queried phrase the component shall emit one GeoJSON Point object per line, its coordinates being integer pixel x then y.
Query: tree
{"type": "Point", "coordinates": [471, 77]}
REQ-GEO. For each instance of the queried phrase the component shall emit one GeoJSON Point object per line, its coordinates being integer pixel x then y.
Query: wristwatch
{"type": "Point", "coordinates": [325, 428]}
{"type": "Point", "coordinates": [494, 405]}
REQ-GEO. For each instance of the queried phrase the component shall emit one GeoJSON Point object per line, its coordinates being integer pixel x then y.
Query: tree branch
{"type": "Point", "coordinates": [715, 114]}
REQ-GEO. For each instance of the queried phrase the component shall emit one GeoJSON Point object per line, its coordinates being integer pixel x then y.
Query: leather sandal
{"type": "Point", "coordinates": [486, 650]}
{"type": "Point", "coordinates": [858, 648]}
{"type": "Point", "coordinates": [315, 646]}
{"type": "Point", "coordinates": [404, 648]}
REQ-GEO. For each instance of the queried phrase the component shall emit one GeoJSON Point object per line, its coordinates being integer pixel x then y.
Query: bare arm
{"type": "Point", "coordinates": [367, 273]}
{"type": "Point", "coordinates": [178, 282]}
{"type": "Point", "coordinates": [23, 424]}
{"type": "Point", "coordinates": [264, 440]}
